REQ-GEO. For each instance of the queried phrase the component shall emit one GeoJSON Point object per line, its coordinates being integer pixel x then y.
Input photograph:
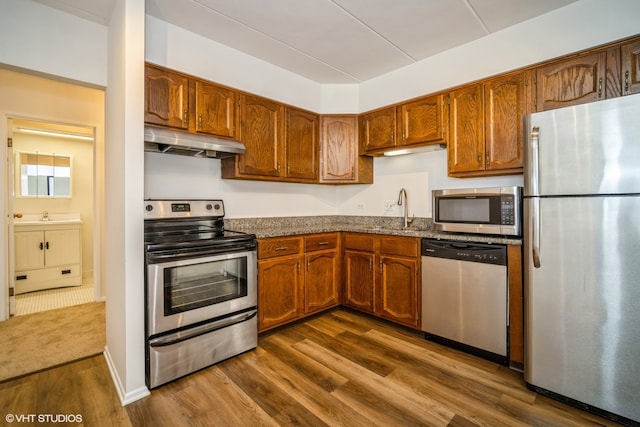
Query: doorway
{"type": "Point", "coordinates": [53, 198]}
{"type": "Point", "coordinates": [36, 98]}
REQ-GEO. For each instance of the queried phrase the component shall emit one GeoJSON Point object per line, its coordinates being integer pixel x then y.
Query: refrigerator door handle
{"type": "Point", "coordinates": [535, 156]}
{"type": "Point", "coordinates": [535, 231]}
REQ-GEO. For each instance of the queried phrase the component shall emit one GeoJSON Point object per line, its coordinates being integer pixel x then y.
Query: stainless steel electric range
{"type": "Point", "coordinates": [200, 288]}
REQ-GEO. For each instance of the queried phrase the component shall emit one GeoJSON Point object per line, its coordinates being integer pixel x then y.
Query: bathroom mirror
{"type": "Point", "coordinates": [43, 174]}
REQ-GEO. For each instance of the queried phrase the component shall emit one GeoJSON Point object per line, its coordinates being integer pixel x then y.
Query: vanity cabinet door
{"type": "Point", "coordinates": [29, 250]}
{"type": "Point", "coordinates": [62, 247]}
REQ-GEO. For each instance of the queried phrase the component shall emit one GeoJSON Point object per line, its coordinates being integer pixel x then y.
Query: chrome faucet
{"type": "Point", "coordinates": [403, 201]}
{"type": "Point", "coordinates": [45, 216]}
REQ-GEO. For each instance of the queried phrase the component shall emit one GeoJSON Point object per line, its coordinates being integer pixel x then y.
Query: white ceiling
{"type": "Point", "coordinates": [333, 41]}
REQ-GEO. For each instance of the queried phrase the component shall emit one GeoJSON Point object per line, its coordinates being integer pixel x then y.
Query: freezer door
{"type": "Point", "coordinates": [581, 306]}
{"type": "Point", "coordinates": [587, 149]}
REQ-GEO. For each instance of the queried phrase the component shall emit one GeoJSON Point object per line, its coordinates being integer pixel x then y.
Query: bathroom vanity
{"type": "Point", "coordinates": [48, 254]}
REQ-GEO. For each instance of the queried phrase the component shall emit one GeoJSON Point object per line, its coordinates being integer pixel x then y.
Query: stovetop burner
{"type": "Point", "coordinates": [182, 224]}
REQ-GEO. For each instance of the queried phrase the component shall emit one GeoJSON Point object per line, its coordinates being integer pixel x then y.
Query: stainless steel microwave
{"type": "Point", "coordinates": [492, 210]}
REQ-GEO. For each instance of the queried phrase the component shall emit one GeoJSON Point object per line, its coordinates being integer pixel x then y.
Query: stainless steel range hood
{"type": "Point", "coordinates": [161, 140]}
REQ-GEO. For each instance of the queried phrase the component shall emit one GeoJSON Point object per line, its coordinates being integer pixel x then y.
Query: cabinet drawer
{"type": "Point", "coordinates": [268, 248]}
{"type": "Point", "coordinates": [359, 242]}
{"type": "Point", "coordinates": [318, 242]}
{"type": "Point", "coordinates": [404, 246]}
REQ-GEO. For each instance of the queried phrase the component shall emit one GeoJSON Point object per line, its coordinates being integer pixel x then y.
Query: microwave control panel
{"type": "Point", "coordinates": [508, 210]}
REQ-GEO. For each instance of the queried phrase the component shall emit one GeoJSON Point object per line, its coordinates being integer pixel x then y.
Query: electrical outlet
{"type": "Point", "coordinates": [389, 204]}
{"type": "Point", "coordinates": [360, 206]}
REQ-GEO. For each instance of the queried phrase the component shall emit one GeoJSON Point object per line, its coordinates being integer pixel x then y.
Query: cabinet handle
{"type": "Point", "coordinates": [186, 117]}
{"type": "Point", "coordinates": [21, 277]}
{"type": "Point", "coordinates": [308, 265]}
{"type": "Point", "coordinates": [380, 265]}
{"type": "Point", "coordinates": [370, 264]}
{"type": "Point", "coordinates": [281, 248]}
{"type": "Point", "coordinates": [298, 267]}
{"type": "Point", "coordinates": [46, 245]}
{"type": "Point", "coordinates": [66, 271]}
{"type": "Point", "coordinates": [278, 167]}
{"type": "Point", "coordinates": [486, 160]}
{"type": "Point", "coordinates": [288, 168]}
{"type": "Point", "coordinates": [479, 159]}
{"type": "Point", "coordinates": [200, 121]}
{"type": "Point", "coordinates": [323, 243]}
{"type": "Point", "coordinates": [600, 88]}
{"type": "Point", "coordinates": [626, 81]}
{"type": "Point", "coordinates": [41, 246]}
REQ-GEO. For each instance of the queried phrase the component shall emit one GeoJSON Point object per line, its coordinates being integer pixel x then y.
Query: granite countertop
{"type": "Point", "coordinates": [292, 226]}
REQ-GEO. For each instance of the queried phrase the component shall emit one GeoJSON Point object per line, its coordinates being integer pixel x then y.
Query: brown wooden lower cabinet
{"type": "Point", "coordinates": [297, 276]}
{"type": "Point", "coordinates": [516, 306]}
{"type": "Point", "coordinates": [382, 276]}
{"type": "Point", "coordinates": [376, 274]}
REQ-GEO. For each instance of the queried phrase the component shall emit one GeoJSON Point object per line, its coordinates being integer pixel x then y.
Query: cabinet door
{"type": "Point", "coordinates": [398, 290]}
{"type": "Point", "coordinates": [378, 129]}
{"type": "Point", "coordinates": [166, 98]}
{"type": "Point", "coordinates": [630, 57]}
{"type": "Point", "coordinates": [262, 133]}
{"type": "Point", "coordinates": [322, 277]}
{"type": "Point", "coordinates": [339, 148]}
{"type": "Point", "coordinates": [571, 82]}
{"type": "Point", "coordinates": [421, 121]}
{"type": "Point", "coordinates": [505, 108]}
{"type": "Point", "coordinates": [62, 247]}
{"type": "Point", "coordinates": [215, 110]}
{"type": "Point", "coordinates": [466, 142]}
{"type": "Point", "coordinates": [279, 285]}
{"type": "Point", "coordinates": [359, 280]}
{"type": "Point", "coordinates": [29, 250]}
{"type": "Point", "coordinates": [302, 145]}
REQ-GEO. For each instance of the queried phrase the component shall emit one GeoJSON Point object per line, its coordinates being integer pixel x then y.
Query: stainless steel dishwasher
{"type": "Point", "coordinates": [465, 297]}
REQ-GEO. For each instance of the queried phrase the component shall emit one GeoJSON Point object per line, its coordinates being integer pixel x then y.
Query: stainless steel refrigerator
{"type": "Point", "coordinates": [582, 256]}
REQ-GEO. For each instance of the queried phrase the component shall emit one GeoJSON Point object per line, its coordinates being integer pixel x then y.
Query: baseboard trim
{"type": "Point", "coordinates": [124, 396]}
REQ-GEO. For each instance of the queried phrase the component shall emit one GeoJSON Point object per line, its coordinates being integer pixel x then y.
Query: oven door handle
{"type": "Point", "coordinates": [181, 336]}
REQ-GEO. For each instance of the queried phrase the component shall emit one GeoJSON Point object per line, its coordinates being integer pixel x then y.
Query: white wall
{"type": "Point", "coordinates": [580, 25]}
{"type": "Point", "coordinates": [43, 39]}
{"type": "Point", "coordinates": [577, 26]}
{"type": "Point", "coordinates": [123, 225]}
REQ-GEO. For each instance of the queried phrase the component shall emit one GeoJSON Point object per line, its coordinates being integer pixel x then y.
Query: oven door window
{"type": "Point", "coordinates": [198, 285]}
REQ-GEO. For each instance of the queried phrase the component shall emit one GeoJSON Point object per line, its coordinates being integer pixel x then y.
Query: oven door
{"type": "Point", "coordinates": [183, 292]}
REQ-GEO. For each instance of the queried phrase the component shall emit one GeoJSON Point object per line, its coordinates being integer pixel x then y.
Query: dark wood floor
{"type": "Point", "coordinates": [340, 368]}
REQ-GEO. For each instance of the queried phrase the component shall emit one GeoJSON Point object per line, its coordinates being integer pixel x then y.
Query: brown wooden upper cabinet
{"type": "Point", "coordinates": [166, 98]}
{"type": "Point", "coordinates": [216, 110]}
{"type": "Point", "coordinates": [422, 121]}
{"type": "Point", "coordinates": [181, 102]}
{"type": "Point", "coordinates": [340, 159]}
{"type": "Point", "coordinates": [378, 129]}
{"type": "Point", "coordinates": [262, 133]}
{"type": "Point", "coordinates": [571, 81]}
{"type": "Point", "coordinates": [486, 119]}
{"type": "Point", "coordinates": [302, 145]}
{"type": "Point", "coordinates": [630, 58]}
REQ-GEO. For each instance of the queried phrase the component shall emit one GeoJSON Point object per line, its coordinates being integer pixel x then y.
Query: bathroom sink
{"type": "Point", "coordinates": [47, 222]}
{"type": "Point", "coordinates": [53, 219]}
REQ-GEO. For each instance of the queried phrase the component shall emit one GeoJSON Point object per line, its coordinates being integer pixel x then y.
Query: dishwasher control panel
{"type": "Point", "coordinates": [485, 253]}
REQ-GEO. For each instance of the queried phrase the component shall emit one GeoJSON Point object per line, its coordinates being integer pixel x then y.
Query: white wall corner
{"type": "Point", "coordinates": [125, 396]}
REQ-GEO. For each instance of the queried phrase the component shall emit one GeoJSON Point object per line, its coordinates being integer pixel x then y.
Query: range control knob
{"type": "Point", "coordinates": [208, 206]}
{"type": "Point", "coordinates": [148, 208]}
{"type": "Point", "coordinates": [217, 206]}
